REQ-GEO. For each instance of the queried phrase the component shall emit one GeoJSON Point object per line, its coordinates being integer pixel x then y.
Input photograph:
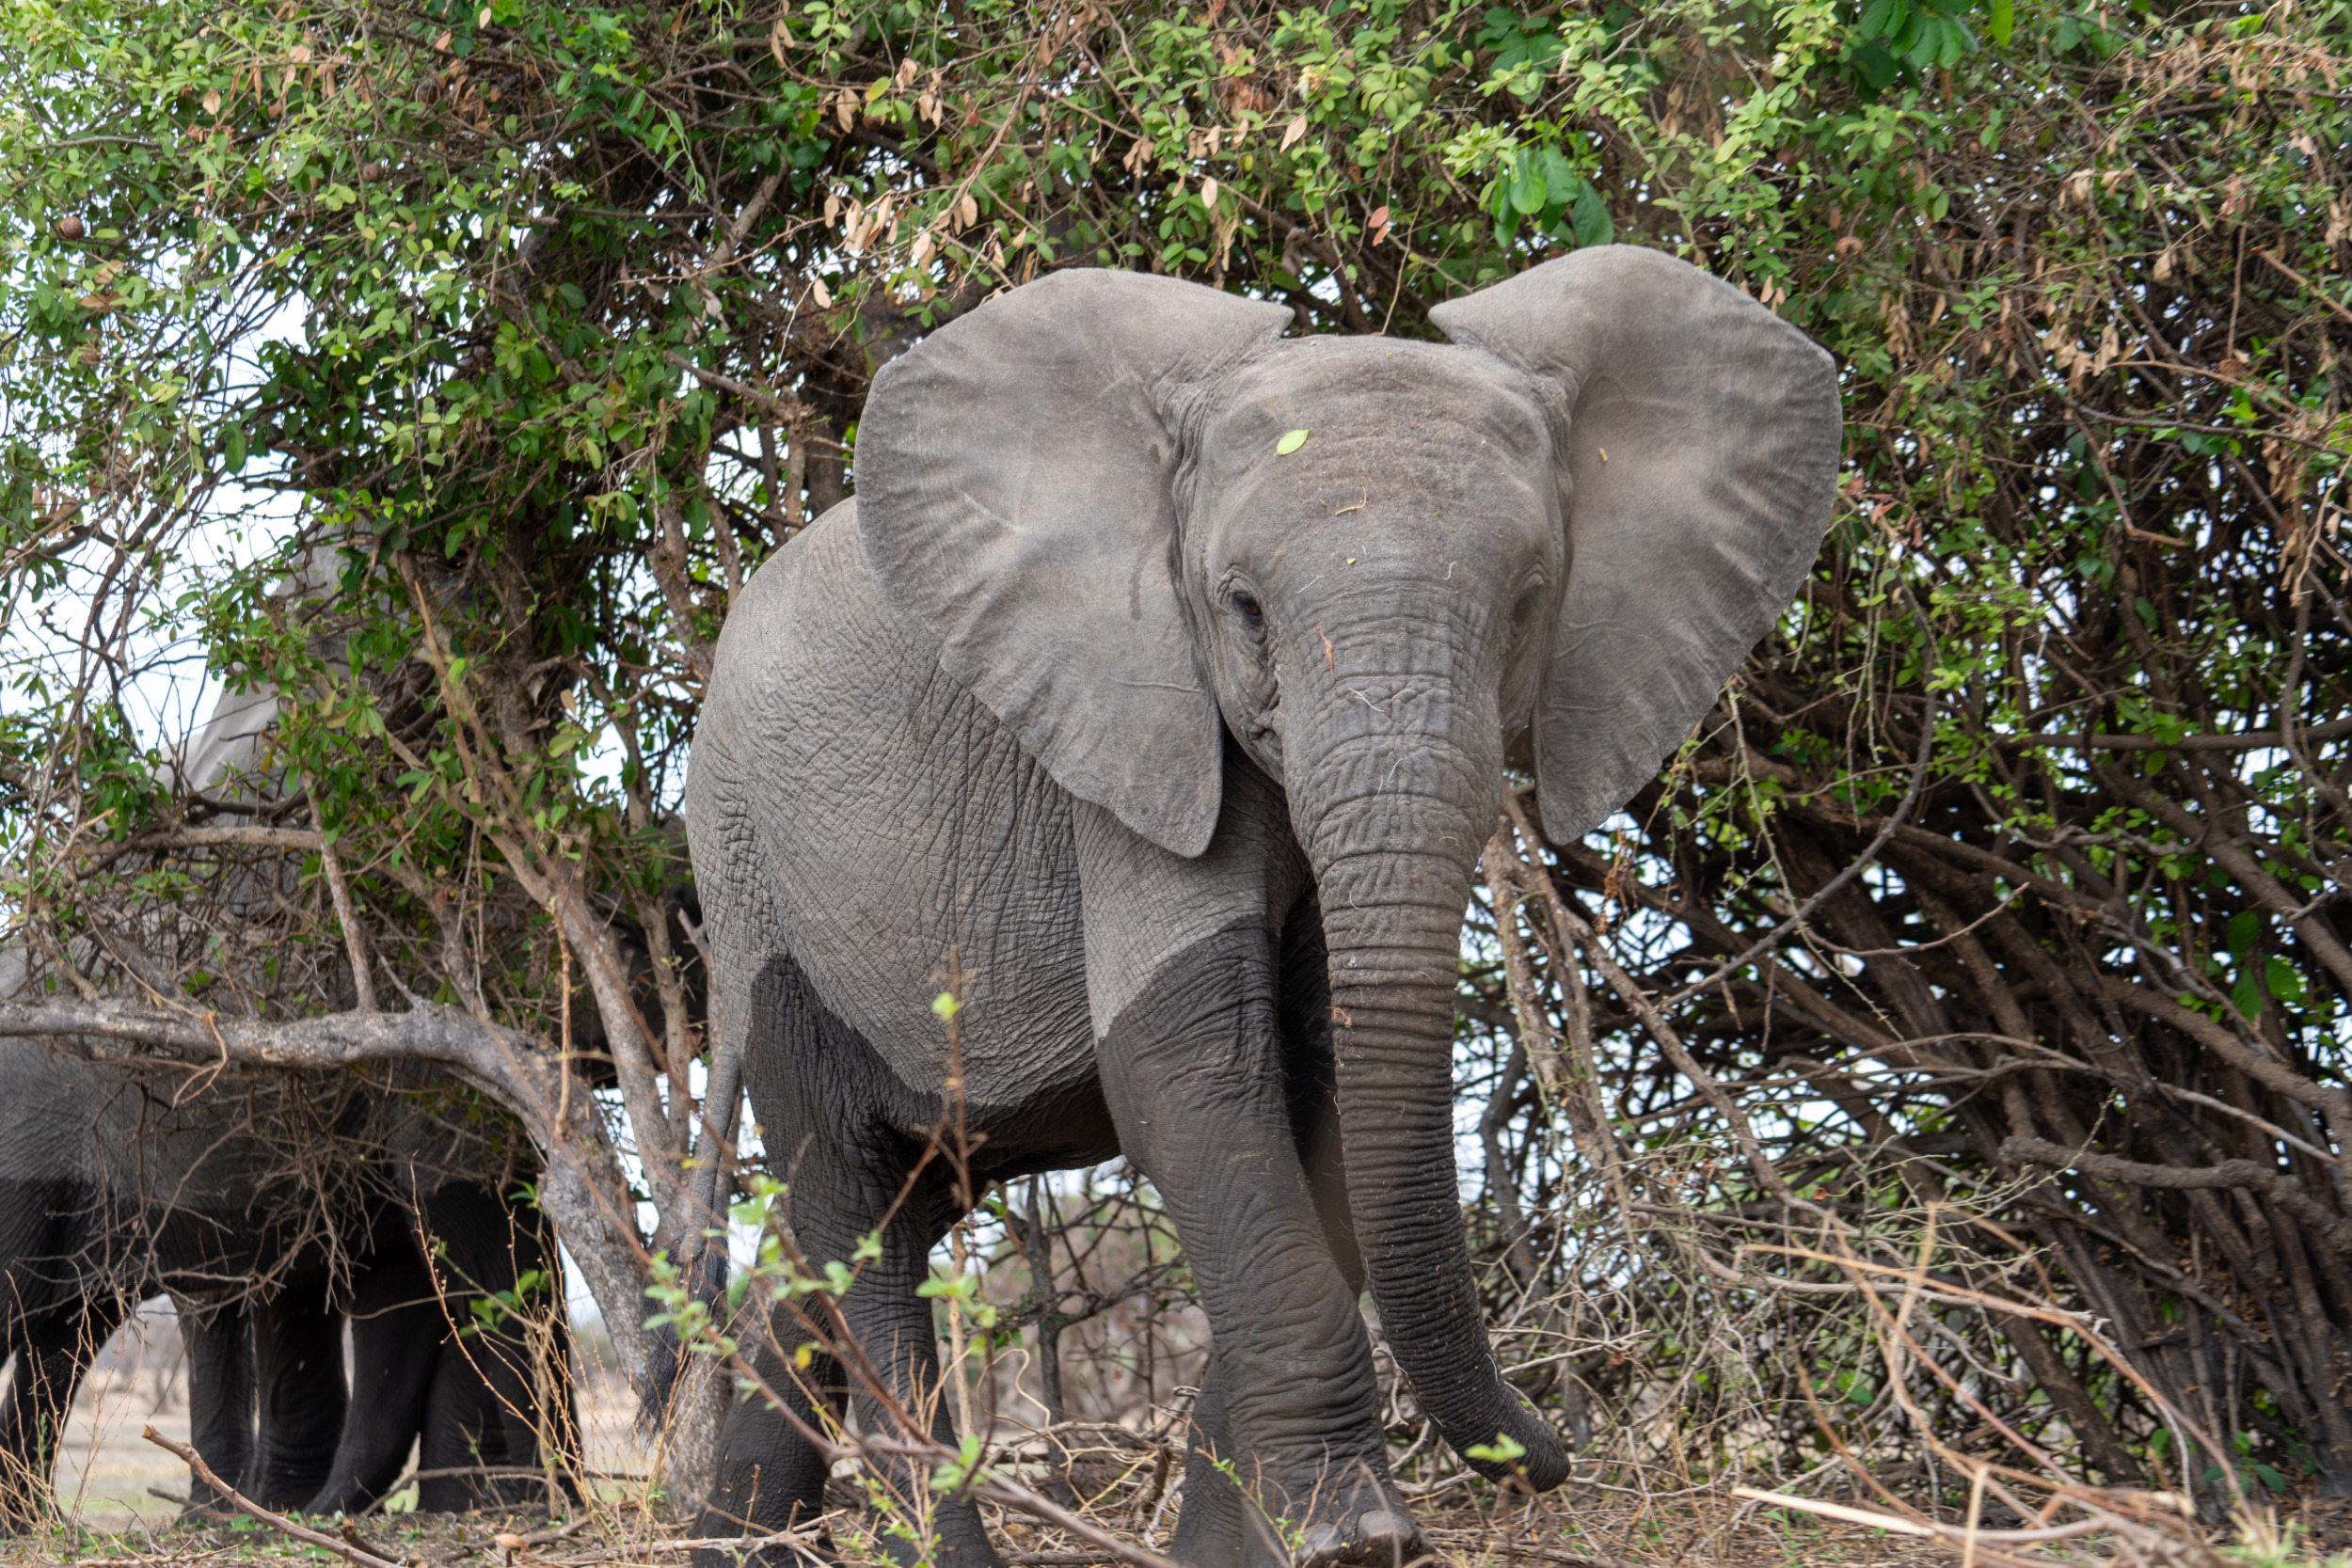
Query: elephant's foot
{"type": "Point", "coordinates": [1363, 1524]}
{"type": "Point", "coordinates": [957, 1540]}
{"type": "Point", "coordinates": [1381, 1536]}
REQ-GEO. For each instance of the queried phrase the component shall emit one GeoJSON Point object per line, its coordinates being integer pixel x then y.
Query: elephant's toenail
{"type": "Point", "coordinates": [1323, 1543]}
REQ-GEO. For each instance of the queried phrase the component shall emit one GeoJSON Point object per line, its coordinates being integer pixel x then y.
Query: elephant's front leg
{"type": "Point", "coordinates": [1192, 1070]}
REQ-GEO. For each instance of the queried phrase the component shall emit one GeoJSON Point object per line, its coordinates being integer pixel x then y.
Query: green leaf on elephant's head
{"type": "Point", "coordinates": [1292, 440]}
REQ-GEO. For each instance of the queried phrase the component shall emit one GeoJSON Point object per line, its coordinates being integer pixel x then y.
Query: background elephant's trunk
{"type": "Point", "coordinates": [1393, 866]}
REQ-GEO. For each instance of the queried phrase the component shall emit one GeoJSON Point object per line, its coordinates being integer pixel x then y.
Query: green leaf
{"type": "Point", "coordinates": [2286, 981]}
{"type": "Point", "coordinates": [2243, 928]}
{"type": "Point", "coordinates": [1590, 218]}
{"type": "Point", "coordinates": [1527, 183]}
{"type": "Point", "coordinates": [1292, 440]}
{"type": "Point", "coordinates": [2247, 997]}
{"type": "Point", "coordinates": [1561, 185]}
{"type": "Point", "coordinates": [1504, 1450]}
{"type": "Point", "coordinates": [233, 449]}
{"type": "Point", "coordinates": [2003, 22]}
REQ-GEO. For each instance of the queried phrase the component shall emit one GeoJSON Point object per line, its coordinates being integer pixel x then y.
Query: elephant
{"type": "Point", "coordinates": [1119, 703]}
{"type": "Point", "coordinates": [464, 1401]}
{"type": "Point", "coordinates": [112, 1190]}
{"type": "Point", "coordinates": [469, 1399]}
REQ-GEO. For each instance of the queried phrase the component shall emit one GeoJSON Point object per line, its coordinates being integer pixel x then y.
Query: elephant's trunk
{"type": "Point", "coordinates": [1392, 866]}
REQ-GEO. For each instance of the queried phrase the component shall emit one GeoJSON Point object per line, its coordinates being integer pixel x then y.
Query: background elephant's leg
{"type": "Point", "coordinates": [219, 1345]}
{"type": "Point", "coordinates": [52, 1353]}
{"type": "Point", "coordinates": [396, 1332]}
{"type": "Point", "coordinates": [484, 1247]}
{"type": "Point", "coordinates": [1192, 1071]}
{"type": "Point", "coordinates": [1210, 1525]}
{"type": "Point", "coordinates": [298, 1375]}
{"type": "Point", "coordinates": [463, 1436]}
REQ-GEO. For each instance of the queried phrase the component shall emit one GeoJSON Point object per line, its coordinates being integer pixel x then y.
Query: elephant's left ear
{"type": "Point", "coordinates": [1703, 443]}
{"type": "Point", "coordinates": [1015, 480]}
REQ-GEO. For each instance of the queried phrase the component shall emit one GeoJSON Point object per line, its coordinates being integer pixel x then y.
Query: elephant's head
{"type": "Point", "coordinates": [1577, 517]}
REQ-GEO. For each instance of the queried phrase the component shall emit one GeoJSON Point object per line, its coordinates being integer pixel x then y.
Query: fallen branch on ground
{"type": "Point", "coordinates": [357, 1557]}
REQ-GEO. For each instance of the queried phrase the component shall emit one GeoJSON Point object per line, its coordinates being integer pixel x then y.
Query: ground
{"type": "Point", "coordinates": [123, 1498]}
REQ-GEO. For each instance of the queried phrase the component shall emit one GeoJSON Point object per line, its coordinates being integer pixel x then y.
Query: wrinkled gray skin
{"type": "Point", "coordinates": [110, 1193]}
{"type": "Point", "coordinates": [1184, 749]}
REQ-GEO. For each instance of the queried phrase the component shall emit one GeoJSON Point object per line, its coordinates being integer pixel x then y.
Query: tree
{"type": "Point", "coordinates": [527, 331]}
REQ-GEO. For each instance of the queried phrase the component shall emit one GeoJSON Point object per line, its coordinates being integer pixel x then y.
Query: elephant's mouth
{"type": "Point", "coordinates": [1261, 740]}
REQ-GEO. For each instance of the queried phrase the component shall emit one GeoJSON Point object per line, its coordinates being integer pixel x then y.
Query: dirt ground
{"type": "Point", "coordinates": [122, 1494]}
{"type": "Point", "coordinates": [1677, 1535]}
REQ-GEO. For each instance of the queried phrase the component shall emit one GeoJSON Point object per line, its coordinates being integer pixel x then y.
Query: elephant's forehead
{"type": "Point", "coordinates": [1407, 443]}
{"type": "Point", "coordinates": [1387, 399]}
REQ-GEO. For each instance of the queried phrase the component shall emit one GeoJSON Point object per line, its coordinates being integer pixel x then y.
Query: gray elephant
{"type": "Point", "coordinates": [266, 1398]}
{"type": "Point", "coordinates": [113, 1189]}
{"type": "Point", "coordinates": [1159, 679]}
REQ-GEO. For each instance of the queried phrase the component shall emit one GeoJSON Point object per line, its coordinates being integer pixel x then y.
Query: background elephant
{"type": "Point", "coordinates": [268, 1209]}
{"type": "Point", "coordinates": [469, 1399]}
{"type": "Point", "coordinates": [1161, 674]}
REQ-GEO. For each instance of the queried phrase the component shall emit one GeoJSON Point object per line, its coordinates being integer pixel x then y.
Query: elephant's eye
{"type": "Point", "coordinates": [1530, 603]}
{"type": "Point", "coordinates": [1245, 605]}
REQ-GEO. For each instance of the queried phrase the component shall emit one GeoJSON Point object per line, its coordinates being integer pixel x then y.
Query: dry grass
{"type": "Point", "coordinates": [1121, 1475]}
{"type": "Point", "coordinates": [1594, 1532]}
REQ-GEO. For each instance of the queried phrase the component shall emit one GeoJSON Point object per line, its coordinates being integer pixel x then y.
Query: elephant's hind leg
{"type": "Point", "coordinates": [817, 1086]}
{"type": "Point", "coordinates": [219, 1344]}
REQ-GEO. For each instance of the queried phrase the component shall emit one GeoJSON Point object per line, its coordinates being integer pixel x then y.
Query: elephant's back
{"type": "Point", "coordinates": [853, 806]}
{"type": "Point", "coordinates": [112, 1178]}
{"type": "Point", "coordinates": [179, 1177]}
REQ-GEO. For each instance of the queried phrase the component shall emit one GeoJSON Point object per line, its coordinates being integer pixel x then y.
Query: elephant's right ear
{"type": "Point", "coordinates": [1015, 476]}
